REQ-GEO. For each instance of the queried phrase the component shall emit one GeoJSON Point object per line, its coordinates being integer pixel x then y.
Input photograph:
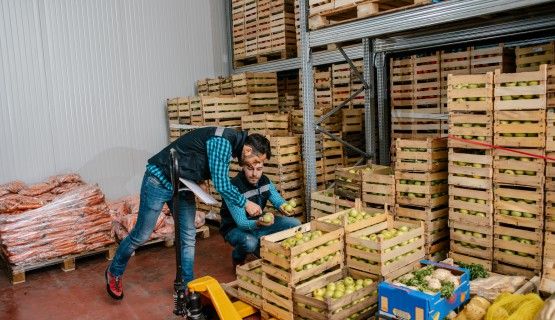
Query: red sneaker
{"type": "Point", "coordinates": [114, 285]}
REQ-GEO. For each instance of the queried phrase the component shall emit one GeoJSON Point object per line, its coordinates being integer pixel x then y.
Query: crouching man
{"type": "Point", "coordinates": [242, 231]}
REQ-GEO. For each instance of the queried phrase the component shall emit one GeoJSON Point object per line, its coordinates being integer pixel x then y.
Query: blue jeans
{"type": "Point", "coordinates": [153, 197]}
{"type": "Point", "coordinates": [248, 241]}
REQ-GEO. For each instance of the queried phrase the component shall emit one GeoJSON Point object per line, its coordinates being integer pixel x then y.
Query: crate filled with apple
{"type": "Point", "coordinates": [401, 71]}
{"type": "Point", "coordinates": [472, 168]}
{"type": "Point", "coordinates": [519, 206]}
{"type": "Point", "coordinates": [378, 188]}
{"type": "Point", "coordinates": [471, 240]}
{"type": "Point", "coordinates": [277, 297]}
{"type": "Point", "coordinates": [249, 280]}
{"type": "Point", "coordinates": [470, 93]}
{"type": "Point", "coordinates": [550, 211]}
{"type": "Point", "coordinates": [517, 250]}
{"type": "Point", "coordinates": [434, 221]}
{"type": "Point", "coordinates": [427, 155]}
{"type": "Point", "coordinates": [348, 181]}
{"type": "Point", "coordinates": [469, 205]}
{"type": "Point", "coordinates": [385, 247]}
{"type": "Point", "coordinates": [476, 127]}
{"type": "Point", "coordinates": [489, 59]}
{"type": "Point", "coordinates": [529, 58]}
{"type": "Point", "coordinates": [520, 129]}
{"type": "Point", "coordinates": [355, 218]}
{"type": "Point", "coordinates": [427, 83]}
{"type": "Point", "coordinates": [297, 254]}
{"type": "Point", "coordinates": [342, 294]}
{"type": "Point", "coordinates": [519, 169]}
{"type": "Point", "coordinates": [421, 189]}
{"type": "Point", "coordinates": [322, 203]}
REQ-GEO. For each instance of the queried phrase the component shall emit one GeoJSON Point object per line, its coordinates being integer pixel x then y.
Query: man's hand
{"type": "Point", "coordinates": [261, 222]}
{"type": "Point", "coordinates": [204, 185]}
{"type": "Point", "coordinates": [253, 209]}
{"type": "Point", "coordinates": [282, 209]}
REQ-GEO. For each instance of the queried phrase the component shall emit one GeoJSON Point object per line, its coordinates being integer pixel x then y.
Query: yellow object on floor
{"type": "Point", "coordinates": [226, 310]}
{"type": "Point", "coordinates": [510, 306]}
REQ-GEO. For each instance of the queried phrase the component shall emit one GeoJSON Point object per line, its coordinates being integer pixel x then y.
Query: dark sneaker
{"type": "Point", "coordinates": [114, 285]}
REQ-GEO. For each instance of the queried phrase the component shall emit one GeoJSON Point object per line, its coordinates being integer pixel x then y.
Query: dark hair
{"type": "Point", "coordinates": [259, 144]}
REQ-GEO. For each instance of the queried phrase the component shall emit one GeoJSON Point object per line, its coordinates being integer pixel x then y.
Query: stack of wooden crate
{"type": "Point", "coordinates": [224, 111]}
{"type": "Point", "coordinates": [261, 89]}
{"type": "Point", "coordinates": [288, 91]}
{"type": "Point", "coordinates": [276, 125]}
{"type": "Point", "coordinates": [548, 279]}
{"type": "Point", "coordinates": [529, 58]}
{"type": "Point", "coordinates": [520, 118]}
{"type": "Point", "coordinates": [179, 112]}
{"type": "Point", "coordinates": [378, 189]}
{"type": "Point", "coordinates": [491, 58]}
{"type": "Point", "coordinates": [326, 202]}
{"type": "Point", "coordinates": [470, 103]}
{"type": "Point", "coordinates": [287, 266]}
{"type": "Point", "coordinates": [421, 190]}
{"type": "Point", "coordinates": [262, 30]}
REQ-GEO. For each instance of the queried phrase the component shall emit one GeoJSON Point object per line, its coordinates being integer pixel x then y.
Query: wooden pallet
{"type": "Point", "coordinates": [330, 12]}
{"type": "Point", "coordinates": [263, 58]}
{"type": "Point", "coordinates": [16, 273]}
{"type": "Point", "coordinates": [471, 168]}
{"type": "Point", "coordinates": [519, 206]}
{"type": "Point", "coordinates": [224, 111]}
{"type": "Point", "coordinates": [266, 124]}
{"type": "Point", "coordinates": [471, 206]}
{"type": "Point", "coordinates": [421, 155]}
{"type": "Point", "coordinates": [529, 58]}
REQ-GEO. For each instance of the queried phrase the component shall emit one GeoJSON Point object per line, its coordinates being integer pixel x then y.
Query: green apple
{"type": "Point", "coordinates": [506, 238]}
{"type": "Point", "coordinates": [516, 213]}
{"type": "Point", "coordinates": [506, 98]}
{"type": "Point", "coordinates": [527, 215]}
{"type": "Point", "coordinates": [510, 84]}
{"type": "Point", "coordinates": [268, 217]}
{"type": "Point", "coordinates": [293, 203]}
{"type": "Point", "coordinates": [522, 84]}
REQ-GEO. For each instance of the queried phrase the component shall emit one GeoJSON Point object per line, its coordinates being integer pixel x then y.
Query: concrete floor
{"type": "Point", "coordinates": [51, 293]}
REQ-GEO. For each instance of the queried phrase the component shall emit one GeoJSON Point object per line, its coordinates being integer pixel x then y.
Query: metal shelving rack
{"type": "Point", "coordinates": [444, 23]}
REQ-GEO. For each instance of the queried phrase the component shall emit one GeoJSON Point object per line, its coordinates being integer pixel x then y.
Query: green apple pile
{"type": "Point", "coordinates": [340, 288]}
{"type": "Point", "coordinates": [516, 213]}
{"type": "Point", "coordinates": [517, 172]}
{"type": "Point", "coordinates": [470, 86]}
{"type": "Point", "coordinates": [520, 134]}
{"type": "Point", "coordinates": [518, 240]}
{"type": "Point", "coordinates": [468, 233]}
{"type": "Point", "coordinates": [354, 215]}
{"type": "Point", "coordinates": [520, 84]}
{"type": "Point", "coordinates": [290, 206]}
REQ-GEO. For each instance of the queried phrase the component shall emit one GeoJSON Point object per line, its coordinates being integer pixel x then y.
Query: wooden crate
{"type": "Point", "coordinates": [483, 60]}
{"type": "Point", "coordinates": [415, 128]}
{"type": "Point", "coordinates": [459, 257]}
{"type": "Point", "coordinates": [197, 116]}
{"type": "Point", "coordinates": [401, 78]}
{"type": "Point", "coordinates": [322, 203]}
{"type": "Point", "coordinates": [455, 62]}
{"type": "Point", "coordinates": [289, 264]}
{"type": "Point", "coordinates": [254, 82]}
{"type": "Point", "coordinates": [550, 172]}
{"type": "Point", "coordinates": [362, 301]}
{"type": "Point", "coordinates": [471, 206]}
{"type": "Point", "coordinates": [519, 206]}
{"type": "Point", "coordinates": [529, 58]}
{"type": "Point", "coordinates": [422, 155]}
{"type": "Point", "coordinates": [508, 167]}
{"type": "Point", "coordinates": [249, 280]}
{"type": "Point", "coordinates": [224, 111]}
{"type": "Point", "coordinates": [472, 127]}
{"type": "Point", "coordinates": [382, 257]}
{"type": "Point", "coordinates": [329, 12]}
{"type": "Point", "coordinates": [470, 93]}
{"type": "Point", "coordinates": [551, 87]}
{"type": "Point", "coordinates": [353, 120]}
{"type": "Point", "coordinates": [427, 83]}
{"type": "Point", "coordinates": [266, 102]}
{"type": "Point", "coordinates": [202, 86]}
{"type": "Point", "coordinates": [434, 221]}
{"type": "Point", "coordinates": [214, 88]}
{"type": "Point", "coordinates": [378, 188]}
{"type": "Point", "coordinates": [266, 124]}
{"type": "Point", "coordinates": [514, 257]}
{"type": "Point", "coordinates": [521, 91]}
{"type": "Point", "coordinates": [550, 131]}
{"type": "Point", "coordinates": [471, 168]}
{"type": "Point", "coordinates": [343, 218]}
{"type": "Point", "coordinates": [550, 211]}
{"type": "Point", "coordinates": [548, 275]}
{"type": "Point", "coordinates": [471, 240]}
{"type": "Point", "coordinates": [421, 189]}
{"type": "Point", "coordinates": [348, 181]}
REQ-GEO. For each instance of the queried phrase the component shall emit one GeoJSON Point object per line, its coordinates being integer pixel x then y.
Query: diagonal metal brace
{"type": "Point", "coordinates": [348, 145]}
{"type": "Point", "coordinates": [339, 107]}
{"type": "Point", "coordinates": [353, 68]}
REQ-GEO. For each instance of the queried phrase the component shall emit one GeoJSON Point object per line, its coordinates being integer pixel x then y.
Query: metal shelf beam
{"type": "Point", "coordinates": [416, 18]}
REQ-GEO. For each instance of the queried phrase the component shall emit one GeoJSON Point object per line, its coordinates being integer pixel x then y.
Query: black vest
{"type": "Point", "coordinates": [258, 194]}
{"type": "Point", "coordinates": [191, 149]}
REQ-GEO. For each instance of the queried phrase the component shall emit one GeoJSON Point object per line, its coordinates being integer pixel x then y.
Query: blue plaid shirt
{"type": "Point", "coordinates": [218, 150]}
{"type": "Point", "coordinates": [219, 154]}
{"type": "Point", "coordinates": [240, 215]}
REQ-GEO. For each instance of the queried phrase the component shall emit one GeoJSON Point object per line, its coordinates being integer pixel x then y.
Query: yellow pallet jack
{"type": "Point", "coordinates": [187, 303]}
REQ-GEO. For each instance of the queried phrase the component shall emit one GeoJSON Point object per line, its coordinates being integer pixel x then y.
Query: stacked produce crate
{"type": "Point", "coordinates": [378, 189]}
{"type": "Point", "coordinates": [421, 190]}
{"type": "Point", "coordinates": [276, 125]}
{"type": "Point", "coordinates": [489, 59]}
{"type": "Point", "coordinates": [529, 58]}
{"type": "Point", "coordinates": [179, 112]}
{"type": "Point", "coordinates": [548, 278]}
{"type": "Point", "coordinates": [288, 91]}
{"type": "Point", "coordinates": [261, 89]}
{"type": "Point", "coordinates": [263, 30]}
{"type": "Point", "coordinates": [249, 283]}
{"type": "Point", "coordinates": [520, 117]}
{"type": "Point", "coordinates": [326, 202]}
{"type": "Point", "coordinates": [470, 103]}
{"type": "Point", "coordinates": [295, 257]}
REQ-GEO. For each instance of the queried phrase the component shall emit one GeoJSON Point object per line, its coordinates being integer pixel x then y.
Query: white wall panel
{"type": "Point", "coordinates": [83, 83]}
